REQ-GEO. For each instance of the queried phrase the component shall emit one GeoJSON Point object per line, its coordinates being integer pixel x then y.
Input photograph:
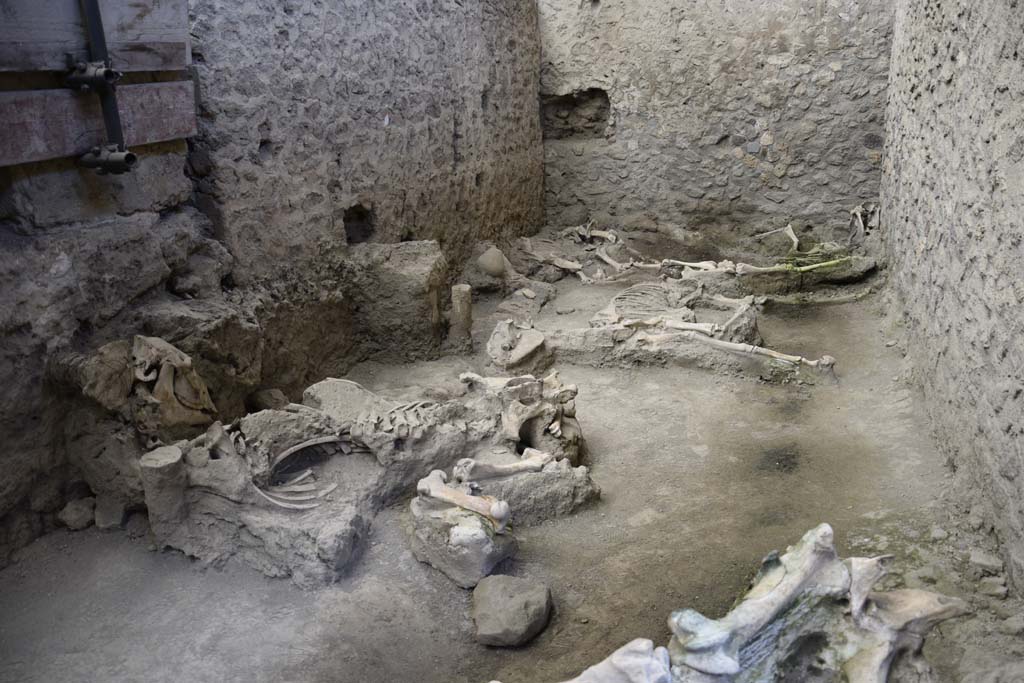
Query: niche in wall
{"type": "Point", "coordinates": [582, 114]}
{"type": "Point", "coordinates": [360, 224]}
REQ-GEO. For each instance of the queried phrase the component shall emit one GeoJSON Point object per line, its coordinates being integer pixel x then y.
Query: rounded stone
{"type": "Point", "coordinates": [492, 262]}
{"type": "Point", "coordinates": [509, 611]}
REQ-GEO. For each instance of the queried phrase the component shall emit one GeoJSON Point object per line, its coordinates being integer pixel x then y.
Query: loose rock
{"type": "Point", "coordinates": [78, 514]}
{"type": "Point", "coordinates": [985, 562]}
{"type": "Point", "coordinates": [509, 611]}
{"type": "Point", "coordinates": [109, 512]}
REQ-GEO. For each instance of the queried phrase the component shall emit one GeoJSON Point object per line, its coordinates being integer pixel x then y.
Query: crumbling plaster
{"type": "Point", "coordinates": [737, 113]}
{"type": "Point", "coordinates": [954, 223]}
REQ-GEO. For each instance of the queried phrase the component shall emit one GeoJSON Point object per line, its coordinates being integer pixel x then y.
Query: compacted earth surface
{"type": "Point", "coordinates": [702, 475]}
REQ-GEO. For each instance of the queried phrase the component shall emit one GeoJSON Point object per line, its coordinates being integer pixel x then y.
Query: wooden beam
{"type": "Point", "coordinates": [143, 35]}
{"type": "Point", "coordinates": [48, 124]}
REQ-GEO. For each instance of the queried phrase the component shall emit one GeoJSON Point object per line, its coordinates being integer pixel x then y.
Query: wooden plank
{"type": "Point", "coordinates": [48, 124]}
{"type": "Point", "coordinates": [142, 35]}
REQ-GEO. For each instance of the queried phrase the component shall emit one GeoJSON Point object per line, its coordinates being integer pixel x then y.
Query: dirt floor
{"type": "Point", "coordinates": [702, 475]}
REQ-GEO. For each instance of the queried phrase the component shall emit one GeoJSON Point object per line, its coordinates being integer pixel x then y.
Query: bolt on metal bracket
{"type": "Point", "coordinates": [97, 76]}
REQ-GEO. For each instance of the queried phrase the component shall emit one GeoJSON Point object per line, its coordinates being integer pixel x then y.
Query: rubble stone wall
{"type": "Point", "coordinates": [953, 214]}
{"type": "Point", "coordinates": [737, 112]}
{"type": "Point", "coordinates": [388, 120]}
{"type": "Point", "coordinates": [321, 124]}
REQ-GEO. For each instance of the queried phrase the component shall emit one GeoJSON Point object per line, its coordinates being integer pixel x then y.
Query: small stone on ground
{"type": "Point", "coordinates": [509, 611]}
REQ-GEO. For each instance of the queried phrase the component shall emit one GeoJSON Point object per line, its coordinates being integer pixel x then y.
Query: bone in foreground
{"type": "Point", "coordinates": [434, 486]}
{"type": "Point", "coordinates": [810, 568]}
{"type": "Point", "coordinates": [468, 469]}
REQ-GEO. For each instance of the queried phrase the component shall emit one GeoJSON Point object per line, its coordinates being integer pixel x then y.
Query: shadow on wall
{"type": "Point", "coordinates": [578, 115]}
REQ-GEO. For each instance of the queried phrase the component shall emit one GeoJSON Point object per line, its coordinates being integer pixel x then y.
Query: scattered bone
{"type": "Point", "coordinates": [788, 231]}
{"type": "Point", "coordinates": [434, 487]}
{"type": "Point", "coordinates": [796, 598]}
{"type": "Point", "coordinates": [825, 363]}
{"type": "Point", "coordinates": [281, 457]}
{"type": "Point", "coordinates": [746, 269]}
{"type": "Point", "coordinates": [468, 469]}
{"type": "Point", "coordinates": [283, 503]}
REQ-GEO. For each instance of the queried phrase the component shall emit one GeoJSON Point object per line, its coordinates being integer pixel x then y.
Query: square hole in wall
{"type": "Point", "coordinates": [360, 224]}
{"type": "Point", "coordinates": [582, 114]}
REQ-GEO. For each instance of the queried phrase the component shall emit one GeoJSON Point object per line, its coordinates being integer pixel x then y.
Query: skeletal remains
{"type": "Point", "coordinates": [648, 322]}
{"type": "Point", "coordinates": [292, 490]}
{"type": "Point", "coordinates": [808, 616]}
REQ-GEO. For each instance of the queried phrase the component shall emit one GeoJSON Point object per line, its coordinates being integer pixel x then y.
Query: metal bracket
{"type": "Point", "coordinates": [98, 76]}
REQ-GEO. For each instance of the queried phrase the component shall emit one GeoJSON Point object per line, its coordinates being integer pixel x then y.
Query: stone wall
{"type": "Point", "coordinates": [321, 124]}
{"type": "Point", "coordinates": [743, 113]}
{"type": "Point", "coordinates": [418, 121]}
{"type": "Point", "coordinates": [953, 212]}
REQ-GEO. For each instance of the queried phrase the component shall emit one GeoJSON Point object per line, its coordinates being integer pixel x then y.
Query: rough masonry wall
{"type": "Point", "coordinates": [953, 213]}
{"type": "Point", "coordinates": [734, 112]}
{"type": "Point", "coordinates": [322, 123]}
{"type": "Point", "coordinates": [422, 115]}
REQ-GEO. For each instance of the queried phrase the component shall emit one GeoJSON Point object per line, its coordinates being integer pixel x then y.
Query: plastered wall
{"type": "Point", "coordinates": [953, 216]}
{"type": "Point", "coordinates": [423, 114]}
{"type": "Point", "coordinates": [734, 112]}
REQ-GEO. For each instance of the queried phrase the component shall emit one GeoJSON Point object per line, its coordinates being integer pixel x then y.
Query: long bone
{"type": "Point", "coordinates": [825, 363]}
{"type": "Point", "coordinates": [809, 569]}
{"type": "Point", "coordinates": [704, 328]}
{"type": "Point", "coordinates": [434, 486]}
{"type": "Point", "coordinates": [468, 469]}
{"type": "Point", "coordinates": [747, 269]}
{"type": "Point", "coordinates": [788, 231]}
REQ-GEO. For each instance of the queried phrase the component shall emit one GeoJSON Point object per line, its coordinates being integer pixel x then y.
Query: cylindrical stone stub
{"type": "Point", "coordinates": [462, 313]}
{"type": "Point", "coordinates": [164, 481]}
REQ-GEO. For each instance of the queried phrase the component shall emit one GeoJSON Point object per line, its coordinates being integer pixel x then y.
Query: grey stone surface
{"type": "Point", "coordinates": [732, 112]}
{"type": "Point", "coordinates": [78, 514]}
{"type": "Point", "coordinates": [557, 490]}
{"type": "Point", "coordinates": [952, 218]}
{"type": "Point", "coordinates": [460, 544]}
{"type": "Point", "coordinates": [109, 513]}
{"type": "Point", "coordinates": [509, 611]}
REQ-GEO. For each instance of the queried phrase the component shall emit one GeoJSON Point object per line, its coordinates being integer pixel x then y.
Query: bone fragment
{"type": "Point", "coordinates": [468, 469]}
{"type": "Point", "coordinates": [461, 328]}
{"type": "Point", "coordinates": [701, 265]}
{"type": "Point", "coordinates": [713, 647]}
{"type": "Point", "coordinates": [285, 504]}
{"type": "Point", "coordinates": [825, 363]}
{"type": "Point", "coordinates": [788, 231]}
{"type": "Point", "coordinates": [434, 486]}
{"type": "Point", "coordinates": [704, 328]}
{"type": "Point", "coordinates": [897, 622]}
{"type": "Point", "coordinates": [566, 264]}
{"type": "Point", "coordinates": [865, 572]}
{"type": "Point", "coordinates": [747, 269]}
{"type": "Point", "coordinates": [281, 457]}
